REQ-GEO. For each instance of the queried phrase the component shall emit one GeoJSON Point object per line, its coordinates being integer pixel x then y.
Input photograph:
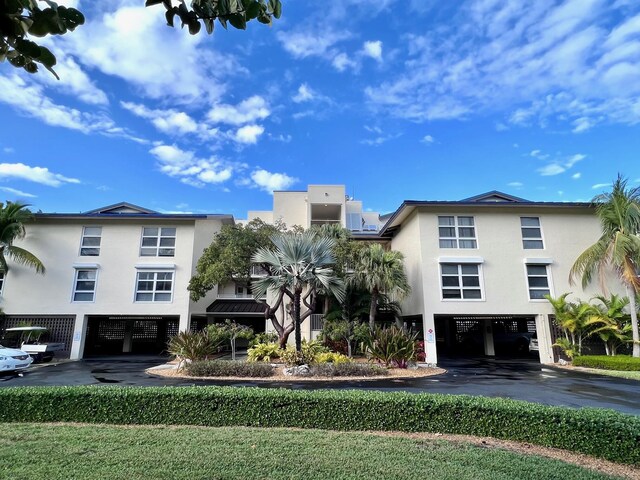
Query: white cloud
{"type": "Point", "coordinates": [305, 43]}
{"type": "Point", "coordinates": [189, 168]}
{"type": "Point", "coordinates": [269, 181]}
{"type": "Point", "coordinates": [598, 186]}
{"type": "Point", "coordinates": [305, 94]}
{"type": "Point", "coordinates": [40, 175]}
{"type": "Point", "coordinates": [249, 110]}
{"type": "Point", "coordinates": [342, 61]}
{"type": "Point", "coordinates": [249, 134]}
{"type": "Point", "coordinates": [559, 165]}
{"type": "Point", "coordinates": [17, 193]}
{"type": "Point", "coordinates": [515, 184]}
{"type": "Point", "coordinates": [373, 50]}
{"type": "Point", "coordinates": [377, 141]}
{"type": "Point", "coordinates": [576, 175]}
{"type": "Point", "coordinates": [574, 63]}
{"type": "Point", "coordinates": [73, 81]}
{"type": "Point", "coordinates": [171, 122]}
{"type": "Point", "coordinates": [428, 139]}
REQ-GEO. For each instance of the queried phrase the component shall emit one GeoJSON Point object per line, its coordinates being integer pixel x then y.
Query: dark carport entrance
{"type": "Point", "coordinates": [491, 335]}
{"type": "Point", "coordinates": [118, 334]}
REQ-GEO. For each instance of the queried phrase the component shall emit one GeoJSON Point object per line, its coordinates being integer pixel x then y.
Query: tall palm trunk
{"type": "Point", "coordinates": [634, 320]}
{"type": "Point", "coordinates": [373, 307]}
{"type": "Point", "coordinates": [296, 317]}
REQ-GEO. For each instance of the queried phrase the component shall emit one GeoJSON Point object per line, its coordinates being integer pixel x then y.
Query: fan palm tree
{"type": "Point", "coordinates": [617, 248]}
{"type": "Point", "coordinates": [13, 216]}
{"type": "Point", "coordinates": [380, 272]}
{"type": "Point", "coordinates": [612, 322]}
{"type": "Point", "coordinates": [299, 265]}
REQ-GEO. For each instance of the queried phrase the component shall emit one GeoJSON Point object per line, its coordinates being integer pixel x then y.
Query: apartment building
{"type": "Point", "coordinates": [116, 279]}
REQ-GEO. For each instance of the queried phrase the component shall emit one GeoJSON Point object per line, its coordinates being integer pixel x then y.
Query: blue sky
{"type": "Point", "coordinates": [418, 99]}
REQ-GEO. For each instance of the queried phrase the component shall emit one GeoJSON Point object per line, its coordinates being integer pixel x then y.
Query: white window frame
{"type": "Point", "coordinates": [84, 268]}
{"type": "Point", "coordinates": [3, 279]}
{"type": "Point", "coordinates": [158, 238]}
{"type": "Point", "coordinates": [456, 226]}
{"type": "Point", "coordinates": [542, 263]}
{"type": "Point", "coordinates": [155, 271]}
{"type": "Point", "coordinates": [84, 235]}
{"type": "Point", "coordinates": [459, 264]}
{"type": "Point", "coordinates": [524, 239]}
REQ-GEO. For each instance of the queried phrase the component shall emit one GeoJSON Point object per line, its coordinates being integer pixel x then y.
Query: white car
{"type": "Point", "coordinates": [12, 359]}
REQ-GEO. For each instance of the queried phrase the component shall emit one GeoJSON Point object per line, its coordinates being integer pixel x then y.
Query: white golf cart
{"type": "Point", "coordinates": [32, 340]}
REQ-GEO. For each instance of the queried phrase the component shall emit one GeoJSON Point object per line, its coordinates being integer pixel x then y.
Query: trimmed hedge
{"type": "Point", "coordinates": [598, 432]}
{"type": "Point", "coordinates": [348, 369]}
{"type": "Point", "coordinates": [226, 368]}
{"type": "Point", "coordinates": [623, 363]}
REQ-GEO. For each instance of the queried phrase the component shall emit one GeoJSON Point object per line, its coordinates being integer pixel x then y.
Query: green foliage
{"type": "Point", "coordinates": [619, 362]}
{"type": "Point", "coordinates": [99, 452]}
{"type": "Point", "coordinates": [226, 368]}
{"type": "Point", "coordinates": [569, 348]}
{"type": "Point", "coordinates": [20, 19]}
{"type": "Point", "coordinates": [13, 217]}
{"type": "Point", "coordinates": [391, 346]}
{"type": "Point", "coordinates": [574, 319]}
{"type": "Point", "coordinates": [344, 321]}
{"type": "Point", "coordinates": [348, 369]}
{"type": "Point", "coordinates": [229, 331]}
{"type": "Point", "coordinates": [234, 12]}
{"type": "Point", "coordinates": [599, 432]}
{"type": "Point", "coordinates": [264, 352]}
{"type": "Point", "coordinates": [612, 324]}
{"type": "Point", "coordinates": [191, 346]}
{"type": "Point", "coordinates": [263, 337]}
{"type": "Point", "coordinates": [332, 357]}
{"type": "Point", "coordinates": [306, 356]}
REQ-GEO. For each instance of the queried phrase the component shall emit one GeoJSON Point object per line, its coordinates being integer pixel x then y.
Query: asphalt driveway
{"type": "Point", "coordinates": [520, 379]}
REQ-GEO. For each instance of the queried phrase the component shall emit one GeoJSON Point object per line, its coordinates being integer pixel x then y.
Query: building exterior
{"type": "Point", "coordinates": [117, 277]}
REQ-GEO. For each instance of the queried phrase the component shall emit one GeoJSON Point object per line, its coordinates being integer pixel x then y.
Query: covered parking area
{"type": "Point", "coordinates": [506, 336]}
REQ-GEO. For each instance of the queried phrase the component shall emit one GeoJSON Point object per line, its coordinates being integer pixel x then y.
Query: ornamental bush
{"type": "Point", "coordinates": [332, 357]}
{"type": "Point", "coordinates": [264, 352]}
{"type": "Point", "coordinates": [598, 432]}
{"type": "Point", "coordinates": [226, 368]}
{"type": "Point", "coordinates": [618, 362]}
{"type": "Point", "coordinates": [347, 369]}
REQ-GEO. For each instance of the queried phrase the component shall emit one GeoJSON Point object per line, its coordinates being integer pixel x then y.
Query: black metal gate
{"type": "Point", "coordinates": [60, 328]}
{"type": "Point", "coordinates": [122, 335]}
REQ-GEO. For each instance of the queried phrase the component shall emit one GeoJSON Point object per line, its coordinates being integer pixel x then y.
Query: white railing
{"type": "Point", "coordinates": [317, 322]}
{"type": "Point", "coordinates": [227, 296]}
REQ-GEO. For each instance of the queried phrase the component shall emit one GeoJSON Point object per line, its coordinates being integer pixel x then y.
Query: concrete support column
{"type": "Point", "coordinates": [185, 323]}
{"type": "Point", "coordinates": [429, 325]}
{"type": "Point", "coordinates": [543, 332]}
{"type": "Point", "coordinates": [78, 339]}
{"type": "Point", "coordinates": [487, 334]}
{"type": "Point", "coordinates": [128, 336]}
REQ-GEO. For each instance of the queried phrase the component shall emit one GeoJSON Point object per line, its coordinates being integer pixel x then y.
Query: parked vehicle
{"type": "Point", "coordinates": [12, 359]}
{"type": "Point", "coordinates": [32, 340]}
{"type": "Point", "coordinates": [533, 344]}
{"type": "Point", "coordinates": [504, 340]}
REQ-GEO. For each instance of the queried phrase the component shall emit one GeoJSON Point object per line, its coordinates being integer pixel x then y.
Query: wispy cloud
{"type": "Point", "coordinates": [17, 193]}
{"type": "Point", "coordinates": [598, 186]}
{"type": "Point", "coordinates": [40, 175]}
{"type": "Point", "coordinates": [428, 139]}
{"type": "Point", "coordinates": [558, 165]}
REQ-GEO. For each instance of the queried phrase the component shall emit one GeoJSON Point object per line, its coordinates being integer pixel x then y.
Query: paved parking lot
{"type": "Point", "coordinates": [521, 379]}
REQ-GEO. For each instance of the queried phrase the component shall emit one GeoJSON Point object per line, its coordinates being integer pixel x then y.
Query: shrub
{"type": "Point", "coordinates": [331, 357]}
{"type": "Point", "coordinates": [392, 346]}
{"type": "Point", "coordinates": [225, 368]}
{"type": "Point", "coordinates": [264, 352]}
{"type": "Point", "coordinates": [264, 337]}
{"type": "Point", "coordinates": [599, 432]}
{"type": "Point", "coordinates": [310, 350]}
{"type": "Point", "coordinates": [421, 355]}
{"type": "Point", "coordinates": [191, 346]}
{"type": "Point", "coordinates": [619, 362]}
{"type": "Point", "coordinates": [348, 369]}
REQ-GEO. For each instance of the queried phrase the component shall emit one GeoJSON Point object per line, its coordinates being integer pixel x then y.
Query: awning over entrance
{"type": "Point", "coordinates": [236, 308]}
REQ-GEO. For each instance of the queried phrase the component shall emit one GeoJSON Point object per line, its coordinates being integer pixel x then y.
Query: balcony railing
{"type": "Point", "coordinates": [228, 296]}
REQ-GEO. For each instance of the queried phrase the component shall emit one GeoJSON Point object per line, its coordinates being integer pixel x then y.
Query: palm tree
{"type": "Point", "coordinates": [618, 247]}
{"type": "Point", "coordinates": [612, 322]}
{"type": "Point", "coordinates": [13, 216]}
{"type": "Point", "coordinates": [573, 319]}
{"type": "Point", "coordinates": [299, 265]}
{"type": "Point", "coordinates": [380, 272]}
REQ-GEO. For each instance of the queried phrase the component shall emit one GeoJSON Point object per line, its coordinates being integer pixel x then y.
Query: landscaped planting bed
{"type": "Point", "coordinates": [604, 362]}
{"type": "Point", "coordinates": [601, 433]}
{"type": "Point", "coordinates": [45, 452]}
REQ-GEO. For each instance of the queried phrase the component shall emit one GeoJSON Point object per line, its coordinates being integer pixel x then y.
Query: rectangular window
{"type": "Point", "coordinates": [531, 233]}
{"type": "Point", "coordinates": [158, 242]}
{"type": "Point", "coordinates": [154, 286]}
{"type": "Point", "coordinates": [354, 222]}
{"type": "Point", "coordinates": [1, 282]}
{"type": "Point", "coordinates": [461, 281]}
{"type": "Point", "coordinates": [538, 282]}
{"type": "Point", "coordinates": [90, 243]}
{"type": "Point", "coordinates": [457, 232]}
{"type": "Point", "coordinates": [84, 287]}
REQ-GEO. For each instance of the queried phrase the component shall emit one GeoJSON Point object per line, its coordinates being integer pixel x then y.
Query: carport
{"type": "Point", "coordinates": [490, 335]}
{"type": "Point", "coordinates": [128, 335]}
{"type": "Point", "coordinates": [244, 312]}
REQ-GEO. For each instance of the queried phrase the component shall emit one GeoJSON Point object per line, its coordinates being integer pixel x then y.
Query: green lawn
{"type": "Point", "coordinates": [31, 451]}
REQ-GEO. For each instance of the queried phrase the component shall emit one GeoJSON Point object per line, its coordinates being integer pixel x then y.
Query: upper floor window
{"type": "Point", "coordinates": [461, 281]}
{"type": "Point", "coordinates": [531, 233]}
{"type": "Point", "coordinates": [538, 281]}
{"type": "Point", "coordinates": [154, 286]}
{"type": "Point", "coordinates": [158, 242]}
{"type": "Point", "coordinates": [84, 285]}
{"type": "Point", "coordinates": [90, 243]}
{"type": "Point", "coordinates": [457, 232]}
